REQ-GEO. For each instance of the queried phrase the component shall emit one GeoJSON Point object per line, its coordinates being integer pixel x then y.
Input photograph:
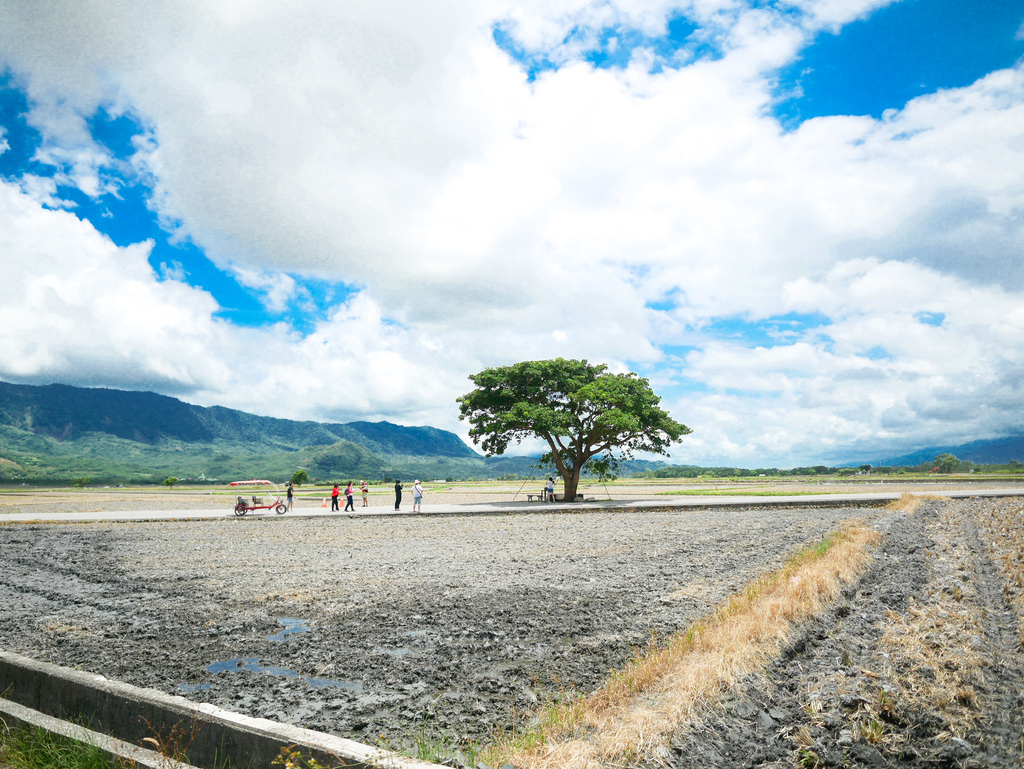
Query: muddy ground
{"type": "Point", "coordinates": [388, 630]}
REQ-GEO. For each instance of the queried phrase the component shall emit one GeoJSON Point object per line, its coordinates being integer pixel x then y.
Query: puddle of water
{"type": "Point", "coordinates": [352, 686]}
{"type": "Point", "coordinates": [290, 625]}
{"type": "Point", "coordinates": [253, 664]}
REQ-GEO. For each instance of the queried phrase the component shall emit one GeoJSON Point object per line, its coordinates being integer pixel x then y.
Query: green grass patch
{"type": "Point", "coordinates": [25, 747]}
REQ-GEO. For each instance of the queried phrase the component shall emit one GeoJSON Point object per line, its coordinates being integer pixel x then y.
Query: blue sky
{"type": "Point", "coordinates": [902, 51]}
{"type": "Point", "coordinates": [801, 221]}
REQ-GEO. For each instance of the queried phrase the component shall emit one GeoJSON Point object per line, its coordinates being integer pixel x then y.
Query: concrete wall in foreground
{"type": "Point", "coordinates": [209, 735]}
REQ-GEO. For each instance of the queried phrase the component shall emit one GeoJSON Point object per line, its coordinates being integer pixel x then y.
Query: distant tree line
{"type": "Point", "coordinates": [944, 463]}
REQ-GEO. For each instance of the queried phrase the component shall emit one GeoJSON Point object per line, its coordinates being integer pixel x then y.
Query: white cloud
{"type": "Point", "coordinates": [794, 401]}
{"type": "Point", "coordinates": [832, 14]}
{"type": "Point", "coordinates": [42, 189]}
{"type": "Point", "coordinates": [277, 289]}
{"type": "Point", "coordinates": [79, 309]}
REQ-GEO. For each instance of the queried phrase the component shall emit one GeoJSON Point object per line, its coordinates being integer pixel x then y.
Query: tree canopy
{"type": "Point", "coordinates": [582, 411]}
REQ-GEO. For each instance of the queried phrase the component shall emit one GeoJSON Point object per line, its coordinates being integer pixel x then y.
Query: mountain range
{"type": "Point", "coordinates": [66, 413]}
{"type": "Point", "coordinates": [987, 452]}
{"type": "Point", "coordinates": [58, 432]}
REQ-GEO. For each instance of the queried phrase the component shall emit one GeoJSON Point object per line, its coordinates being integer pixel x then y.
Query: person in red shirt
{"type": "Point", "coordinates": [334, 497]}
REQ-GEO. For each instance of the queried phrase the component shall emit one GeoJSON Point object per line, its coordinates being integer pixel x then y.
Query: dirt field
{"type": "Point", "coordinates": [391, 630]}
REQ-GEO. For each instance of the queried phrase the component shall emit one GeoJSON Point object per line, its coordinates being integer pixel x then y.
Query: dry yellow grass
{"type": "Point", "coordinates": [908, 503]}
{"type": "Point", "coordinates": [639, 707]}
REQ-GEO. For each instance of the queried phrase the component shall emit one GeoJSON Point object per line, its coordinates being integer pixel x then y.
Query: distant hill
{"type": "Point", "coordinates": [58, 433]}
{"type": "Point", "coordinates": [66, 413]}
{"type": "Point", "coordinates": [988, 452]}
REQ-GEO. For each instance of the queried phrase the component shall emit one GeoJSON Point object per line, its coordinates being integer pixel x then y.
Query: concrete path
{"type": "Point", "coordinates": [498, 508]}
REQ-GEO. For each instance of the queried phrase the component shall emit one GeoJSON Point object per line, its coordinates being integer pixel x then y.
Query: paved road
{"type": "Point", "coordinates": [494, 508]}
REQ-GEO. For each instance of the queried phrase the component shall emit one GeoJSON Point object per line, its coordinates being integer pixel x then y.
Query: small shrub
{"type": "Point", "coordinates": [292, 758]}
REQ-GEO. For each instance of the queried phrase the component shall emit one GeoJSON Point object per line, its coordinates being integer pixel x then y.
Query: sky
{"type": "Point", "coordinates": [800, 220]}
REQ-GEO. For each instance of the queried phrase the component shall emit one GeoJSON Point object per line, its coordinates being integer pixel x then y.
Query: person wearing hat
{"type": "Point", "coordinates": [417, 498]}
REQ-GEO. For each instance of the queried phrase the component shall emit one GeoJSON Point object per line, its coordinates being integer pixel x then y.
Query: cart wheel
{"type": "Point", "coordinates": [280, 509]}
{"type": "Point", "coordinates": [241, 509]}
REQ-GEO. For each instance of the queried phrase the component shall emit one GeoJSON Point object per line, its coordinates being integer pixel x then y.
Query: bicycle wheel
{"type": "Point", "coordinates": [280, 509]}
{"type": "Point", "coordinates": [241, 509]}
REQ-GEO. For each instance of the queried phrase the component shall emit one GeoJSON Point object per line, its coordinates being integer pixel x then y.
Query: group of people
{"type": "Point", "coordinates": [350, 495]}
{"type": "Point", "coordinates": [417, 496]}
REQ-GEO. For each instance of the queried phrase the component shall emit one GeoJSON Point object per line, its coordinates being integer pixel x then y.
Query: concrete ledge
{"type": "Point", "coordinates": [209, 735]}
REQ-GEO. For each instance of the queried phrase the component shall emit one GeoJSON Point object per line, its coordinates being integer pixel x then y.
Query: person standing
{"type": "Point", "coordinates": [417, 497]}
{"type": "Point", "coordinates": [349, 503]}
{"type": "Point", "coordinates": [334, 497]}
{"type": "Point", "coordinates": [366, 491]}
{"type": "Point", "coordinates": [291, 495]}
{"type": "Point", "coordinates": [551, 489]}
{"type": "Point", "coordinates": [398, 494]}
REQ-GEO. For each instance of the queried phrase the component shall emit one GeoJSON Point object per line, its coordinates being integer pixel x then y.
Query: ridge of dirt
{"type": "Point", "coordinates": [919, 665]}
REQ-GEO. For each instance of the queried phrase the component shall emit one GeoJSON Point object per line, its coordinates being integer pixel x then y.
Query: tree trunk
{"type": "Point", "coordinates": [571, 481]}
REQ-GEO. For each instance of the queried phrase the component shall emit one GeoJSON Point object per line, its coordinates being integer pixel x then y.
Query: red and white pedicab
{"type": "Point", "coordinates": [276, 503]}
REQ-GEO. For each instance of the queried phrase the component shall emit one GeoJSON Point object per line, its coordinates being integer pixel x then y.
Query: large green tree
{"type": "Point", "coordinates": [583, 412]}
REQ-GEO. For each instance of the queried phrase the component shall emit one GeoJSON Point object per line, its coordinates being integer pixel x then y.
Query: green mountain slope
{"type": "Point", "coordinates": [66, 413]}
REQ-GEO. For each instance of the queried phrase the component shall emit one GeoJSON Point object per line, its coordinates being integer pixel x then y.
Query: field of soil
{"type": "Point", "coordinates": [393, 630]}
